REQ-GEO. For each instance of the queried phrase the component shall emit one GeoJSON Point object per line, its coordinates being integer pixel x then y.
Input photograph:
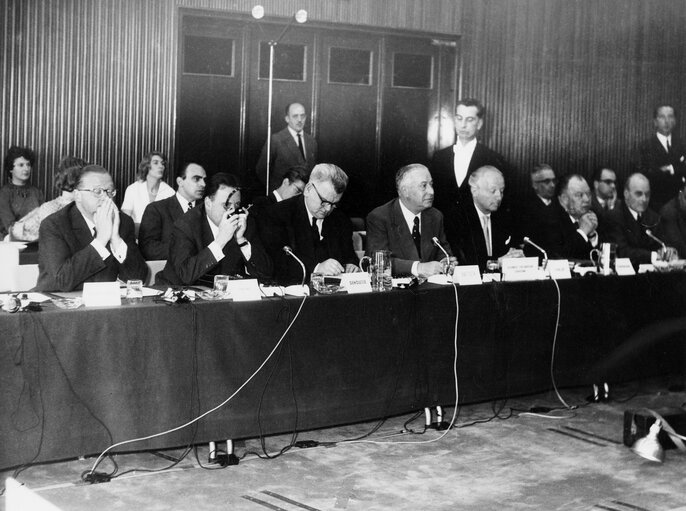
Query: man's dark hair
{"type": "Point", "coordinates": [564, 182]}
{"type": "Point", "coordinates": [598, 172]}
{"type": "Point", "coordinates": [662, 105]}
{"type": "Point", "coordinates": [480, 109]}
{"type": "Point", "coordinates": [15, 152]}
{"type": "Point", "coordinates": [219, 179]}
{"type": "Point", "coordinates": [296, 173]}
{"type": "Point", "coordinates": [181, 172]}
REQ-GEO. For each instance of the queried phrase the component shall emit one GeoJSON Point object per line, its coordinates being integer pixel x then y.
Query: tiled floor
{"type": "Point", "coordinates": [496, 458]}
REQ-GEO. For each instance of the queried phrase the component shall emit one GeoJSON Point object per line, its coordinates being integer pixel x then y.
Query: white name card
{"type": "Point", "coordinates": [623, 266]}
{"type": "Point", "coordinates": [558, 269]}
{"type": "Point", "coordinates": [101, 294]}
{"type": "Point", "coordinates": [440, 279]}
{"type": "Point", "coordinates": [490, 277]}
{"type": "Point", "coordinates": [358, 282]}
{"type": "Point", "coordinates": [244, 290]}
{"type": "Point", "coordinates": [520, 268]}
{"type": "Point", "coordinates": [467, 275]}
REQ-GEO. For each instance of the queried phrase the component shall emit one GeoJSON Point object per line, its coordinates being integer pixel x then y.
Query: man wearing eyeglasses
{"type": "Point", "coordinates": [89, 240]}
{"type": "Point", "coordinates": [604, 191]}
{"type": "Point", "coordinates": [313, 227]}
{"type": "Point", "coordinates": [215, 238]}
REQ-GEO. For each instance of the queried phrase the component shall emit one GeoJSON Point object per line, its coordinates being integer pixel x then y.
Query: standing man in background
{"type": "Point", "coordinates": [290, 147]}
{"type": "Point", "coordinates": [452, 166]}
{"type": "Point", "coordinates": [662, 158]}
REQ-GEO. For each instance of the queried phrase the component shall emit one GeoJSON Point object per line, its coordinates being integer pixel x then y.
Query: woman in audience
{"type": "Point", "coordinates": [18, 197]}
{"type": "Point", "coordinates": [148, 188]}
{"type": "Point", "coordinates": [68, 172]}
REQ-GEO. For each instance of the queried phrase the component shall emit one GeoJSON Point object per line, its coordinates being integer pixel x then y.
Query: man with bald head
{"type": "Point", "coordinates": [478, 227]}
{"type": "Point", "coordinates": [290, 147]}
{"type": "Point", "coordinates": [407, 225]}
{"type": "Point", "coordinates": [159, 216]}
{"type": "Point", "coordinates": [578, 224]}
{"type": "Point", "coordinates": [629, 224]}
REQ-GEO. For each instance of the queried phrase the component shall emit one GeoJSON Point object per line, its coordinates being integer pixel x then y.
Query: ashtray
{"type": "Point", "coordinates": [213, 295]}
{"type": "Point", "coordinates": [328, 289]}
{"type": "Point", "coordinates": [68, 303]}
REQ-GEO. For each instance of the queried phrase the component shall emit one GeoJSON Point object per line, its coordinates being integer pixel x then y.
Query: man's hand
{"type": "Point", "coordinates": [115, 239]}
{"type": "Point", "coordinates": [667, 168]}
{"type": "Point", "coordinates": [330, 267]}
{"type": "Point", "coordinates": [351, 268]}
{"type": "Point", "coordinates": [513, 252]}
{"type": "Point", "coordinates": [425, 270]}
{"type": "Point", "coordinates": [588, 223]}
{"type": "Point", "coordinates": [227, 228]}
{"type": "Point", "coordinates": [242, 225]}
{"type": "Point", "coordinates": [103, 219]}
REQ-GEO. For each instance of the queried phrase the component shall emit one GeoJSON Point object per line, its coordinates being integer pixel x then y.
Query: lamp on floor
{"type": "Point", "coordinates": [649, 446]}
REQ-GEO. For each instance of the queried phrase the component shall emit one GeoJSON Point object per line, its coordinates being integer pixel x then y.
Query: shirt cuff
{"type": "Point", "coordinates": [120, 251]}
{"type": "Point", "coordinates": [216, 250]}
{"type": "Point", "coordinates": [415, 270]}
{"type": "Point", "coordinates": [101, 249]}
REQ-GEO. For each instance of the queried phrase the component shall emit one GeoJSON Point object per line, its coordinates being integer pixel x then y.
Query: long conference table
{"type": "Point", "coordinates": [76, 381]}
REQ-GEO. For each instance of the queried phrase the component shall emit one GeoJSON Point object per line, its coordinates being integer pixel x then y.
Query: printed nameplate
{"type": "Point", "coordinates": [244, 290]}
{"type": "Point", "coordinates": [623, 266]}
{"type": "Point", "coordinates": [558, 269]}
{"type": "Point", "coordinates": [358, 282]}
{"type": "Point", "coordinates": [467, 275]}
{"type": "Point", "coordinates": [101, 294]}
{"type": "Point", "coordinates": [520, 268]}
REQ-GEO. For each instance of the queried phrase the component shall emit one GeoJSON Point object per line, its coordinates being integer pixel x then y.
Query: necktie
{"type": "Point", "coordinates": [669, 146]}
{"type": "Point", "coordinates": [315, 231]}
{"type": "Point", "coordinates": [487, 235]}
{"type": "Point", "coordinates": [300, 146]}
{"type": "Point", "coordinates": [416, 236]}
{"type": "Point", "coordinates": [639, 218]}
{"type": "Point", "coordinates": [95, 233]}
{"type": "Point", "coordinates": [190, 205]}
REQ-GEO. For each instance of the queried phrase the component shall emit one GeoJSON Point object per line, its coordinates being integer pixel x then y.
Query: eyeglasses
{"type": "Point", "coordinates": [549, 181]}
{"type": "Point", "coordinates": [608, 181]}
{"type": "Point", "coordinates": [323, 200]}
{"type": "Point", "coordinates": [228, 205]}
{"type": "Point", "coordinates": [99, 191]}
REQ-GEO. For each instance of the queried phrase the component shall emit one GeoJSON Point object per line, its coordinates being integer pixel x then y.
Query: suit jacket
{"type": "Point", "coordinates": [66, 258]}
{"type": "Point", "coordinates": [630, 236]}
{"type": "Point", "coordinates": [284, 154]}
{"type": "Point", "coordinates": [287, 223]}
{"type": "Point", "coordinates": [387, 230]}
{"type": "Point", "coordinates": [192, 262]}
{"type": "Point", "coordinates": [467, 234]}
{"type": "Point", "coordinates": [673, 226]}
{"type": "Point", "coordinates": [156, 228]}
{"type": "Point", "coordinates": [540, 223]}
{"type": "Point", "coordinates": [663, 185]}
{"type": "Point", "coordinates": [443, 173]}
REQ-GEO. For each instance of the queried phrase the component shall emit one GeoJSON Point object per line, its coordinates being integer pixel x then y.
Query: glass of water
{"type": "Point", "coordinates": [221, 284]}
{"type": "Point", "coordinates": [134, 291]}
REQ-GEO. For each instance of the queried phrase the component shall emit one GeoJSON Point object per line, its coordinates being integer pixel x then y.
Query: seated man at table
{"type": "Point", "coordinates": [159, 216]}
{"type": "Point", "coordinates": [538, 213]}
{"type": "Point", "coordinates": [478, 227]}
{"type": "Point", "coordinates": [216, 237]}
{"type": "Point", "coordinates": [673, 221]}
{"type": "Point", "coordinates": [407, 226]}
{"type": "Point", "coordinates": [293, 183]}
{"type": "Point", "coordinates": [310, 224]}
{"type": "Point", "coordinates": [89, 240]}
{"type": "Point", "coordinates": [628, 225]}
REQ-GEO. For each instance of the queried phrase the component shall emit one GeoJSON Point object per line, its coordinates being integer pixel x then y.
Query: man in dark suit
{"type": "Point", "coordinates": [289, 147]}
{"type": "Point", "coordinates": [479, 228]}
{"type": "Point", "coordinates": [407, 225]}
{"type": "Point", "coordinates": [604, 192]}
{"type": "Point", "coordinates": [577, 223]}
{"type": "Point", "coordinates": [318, 233]}
{"type": "Point", "coordinates": [662, 158]}
{"type": "Point", "coordinates": [451, 166]}
{"type": "Point", "coordinates": [673, 222]}
{"type": "Point", "coordinates": [215, 238]}
{"type": "Point", "coordinates": [89, 240]}
{"type": "Point", "coordinates": [159, 216]}
{"type": "Point", "coordinates": [537, 217]}
{"type": "Point", "coordinates": [293, 183]}
{"type": "Point", "coordinates": [629, 224]}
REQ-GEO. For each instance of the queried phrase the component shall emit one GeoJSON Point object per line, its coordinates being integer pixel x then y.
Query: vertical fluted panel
{"type": "Point", "coordinates": [572, 83]}
{"type": "Point", "coordinates": [93, 78]}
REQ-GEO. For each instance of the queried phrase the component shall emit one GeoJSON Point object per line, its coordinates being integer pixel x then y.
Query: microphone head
{"type": "Point", "coordinates": [649, 232]}
{"type": "Point", "coordinates": [435, 240]}
{"type": "Point", "coordinates": [287, 249]}
{"type": "Point", "coordinates": [526, 239]}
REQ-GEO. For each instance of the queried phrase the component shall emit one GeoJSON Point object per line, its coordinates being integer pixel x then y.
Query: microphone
{"type": "Point", "coordinates": [655, 238]}
{"type": "Point", "coordinates": [289, 251]}
{"type": "Point", "coordinates": [528, 241]}
{"type": "Point", "coordinates": [438, 244]}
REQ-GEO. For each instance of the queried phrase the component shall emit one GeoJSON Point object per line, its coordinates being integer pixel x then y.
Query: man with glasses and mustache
{"type": "Point", "coordinates": [215, 238]}
{"type": "Point", "coordinates": [89, 240]}
{"type": "Point", "coordinates": [604, 191]}
{"type": "Point", "coordinates": [313, 227]}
